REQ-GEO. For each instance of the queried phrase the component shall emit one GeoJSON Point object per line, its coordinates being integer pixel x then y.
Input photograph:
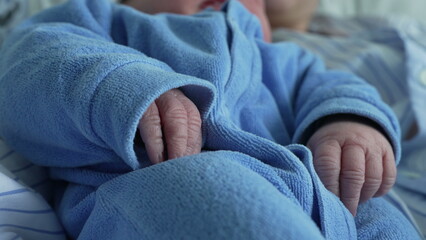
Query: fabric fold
{"type": "Point", "coordinates": [95, 71]}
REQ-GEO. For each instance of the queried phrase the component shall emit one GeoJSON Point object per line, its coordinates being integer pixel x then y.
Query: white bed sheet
{"type": "Point", "coordinates": [383, 8]}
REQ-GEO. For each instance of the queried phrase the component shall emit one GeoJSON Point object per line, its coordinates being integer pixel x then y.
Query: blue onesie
{"type": "Point", "coordinates": [76, 79]}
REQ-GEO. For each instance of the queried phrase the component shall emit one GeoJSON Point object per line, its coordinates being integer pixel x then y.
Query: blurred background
{"type": "Point", "coordinates": [383, 8]}
{"type": "Point", "coordinates": [13, 11]}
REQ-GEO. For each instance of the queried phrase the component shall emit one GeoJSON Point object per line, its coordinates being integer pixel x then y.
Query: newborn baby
{"type": "Point", "coordinates": [352, 157]}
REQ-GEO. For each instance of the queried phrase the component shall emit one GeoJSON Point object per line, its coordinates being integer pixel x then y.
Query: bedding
{"type": "Point", "coordinates": [24, 212]}
{"type": "Point", "coordinates": [11, 13]}
{"type": "Point", "coordinates": [410, 9]}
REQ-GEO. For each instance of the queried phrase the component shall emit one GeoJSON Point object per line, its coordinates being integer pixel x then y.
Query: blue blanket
{"type": "Point", "coordinates": [76, 79]}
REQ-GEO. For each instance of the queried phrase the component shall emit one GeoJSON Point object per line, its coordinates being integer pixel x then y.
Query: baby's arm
{"type": "Point", "coordinates": [354, 160]}
{"type": "Point", "coordinates": [172, 125]}
{"type": "Point", "coordinates": [85, 100]}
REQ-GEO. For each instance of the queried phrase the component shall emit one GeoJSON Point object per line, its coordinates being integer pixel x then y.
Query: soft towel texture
{"type": "Point", "coordinates": [91, 70]}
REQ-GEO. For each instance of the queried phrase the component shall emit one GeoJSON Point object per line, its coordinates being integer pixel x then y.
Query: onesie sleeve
{"type": "Point", "coordinates": [71, 96]}
{"type": "Point", "coordinates": [314, 93]}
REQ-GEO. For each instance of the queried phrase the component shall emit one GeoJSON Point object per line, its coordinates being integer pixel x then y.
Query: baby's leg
{"type": "Point", "coordinates": [205, 196]}
{"type": "Point", "coordinates": [378, 219]}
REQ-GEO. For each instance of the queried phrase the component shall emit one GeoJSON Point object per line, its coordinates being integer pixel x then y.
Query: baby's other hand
{"type": "Point", "coordinates": [354, 161]}
{"type": "Point", "coordinates": [172, 125]}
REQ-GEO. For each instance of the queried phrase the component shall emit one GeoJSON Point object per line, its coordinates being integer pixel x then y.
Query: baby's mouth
{"type": "Point", "coordinates": [215, 4]}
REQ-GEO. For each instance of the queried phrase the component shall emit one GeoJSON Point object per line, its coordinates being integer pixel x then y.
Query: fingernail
{"type": "Point", "coordinates": [160, 157]}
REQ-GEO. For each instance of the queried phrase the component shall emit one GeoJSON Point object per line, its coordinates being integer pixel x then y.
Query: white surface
{"type": "Point", "coordinates": [390, 8]}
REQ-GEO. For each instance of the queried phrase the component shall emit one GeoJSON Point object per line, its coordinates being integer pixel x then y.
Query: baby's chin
{"type": "Point", "coordinates": [284, 4]}
{"type": "Point", "coordinates": [214, 4]}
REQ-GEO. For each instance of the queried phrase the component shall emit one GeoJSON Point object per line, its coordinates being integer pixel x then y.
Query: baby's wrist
{"type": "Point", "coordinates": [315, 126]}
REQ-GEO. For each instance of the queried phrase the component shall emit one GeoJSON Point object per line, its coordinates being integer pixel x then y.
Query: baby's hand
{"type": "Point", "coordinates": [354, 161]}
{"type": "Point", "coordinates": [171, 124]}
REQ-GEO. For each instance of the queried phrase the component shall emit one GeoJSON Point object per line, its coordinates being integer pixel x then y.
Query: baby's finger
{"type": "Point", "coordinates": [373, 175]}
{"type": "Point", "coordinates": [352, 176]}
{"type": "Point", "coordinates": [175, 124]}
{"type": "Point", "coordinates": [151, 134]}
{"type": "Point", "coordinates": [194, 125]}
{"type": "Point", "coordinates": [327, 156]}
{"type": "Point", "coordinates": [389, 173]}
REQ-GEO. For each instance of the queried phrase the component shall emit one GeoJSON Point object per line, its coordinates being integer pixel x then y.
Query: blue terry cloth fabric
{"type": "Point", "coordinates": [76, 79]}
